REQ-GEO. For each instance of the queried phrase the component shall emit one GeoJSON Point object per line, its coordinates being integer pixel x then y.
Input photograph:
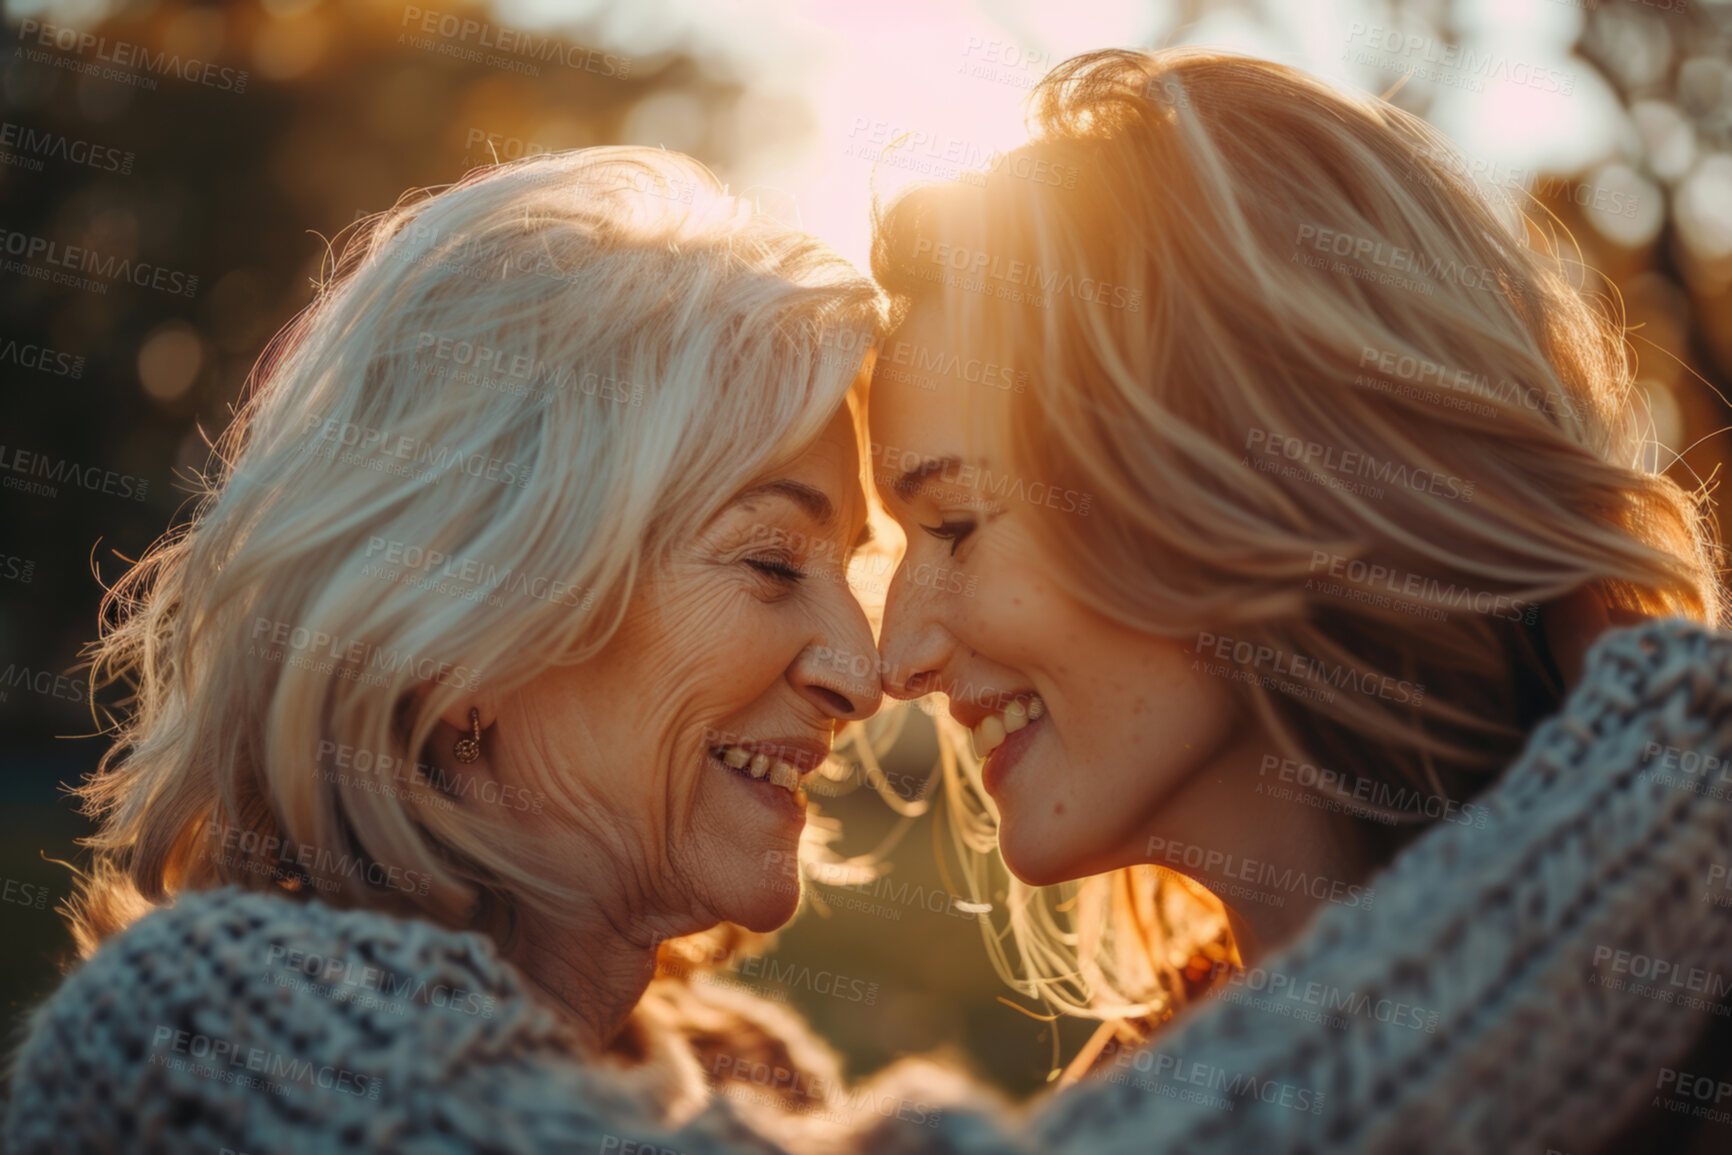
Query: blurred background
{"type": "Point", "coordinates": [206, 154]}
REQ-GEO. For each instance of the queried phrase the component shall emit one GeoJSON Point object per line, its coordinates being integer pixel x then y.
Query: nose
{"type": "Point", "coordinates": [838, 670]}
{"type": "Point", "coordinates": [914, 646]}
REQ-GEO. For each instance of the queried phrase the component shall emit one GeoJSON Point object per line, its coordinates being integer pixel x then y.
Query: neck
{"type": "Point", "coordinates": [587, 970]}
{"type": "Point", "coordinates": [1272, 859]}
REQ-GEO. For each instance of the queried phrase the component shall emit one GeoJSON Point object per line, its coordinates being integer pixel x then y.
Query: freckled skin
{"type": "Point", "coordinates": [1084, 795]}
{"type": "Point", "coordinates": [709, 644]}
{"type": "Point", "coordinates": [1136, 743]}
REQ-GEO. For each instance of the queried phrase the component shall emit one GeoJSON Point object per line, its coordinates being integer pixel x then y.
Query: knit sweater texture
{"type": "Point", "coordinates": [1509, 944]}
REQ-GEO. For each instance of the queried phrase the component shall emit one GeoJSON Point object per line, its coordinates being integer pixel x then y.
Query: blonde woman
{"type": "Point", "coordinates": [1278, 485]}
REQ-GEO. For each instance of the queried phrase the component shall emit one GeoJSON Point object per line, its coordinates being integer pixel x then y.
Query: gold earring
{"type": "Point", "coordinates": [468, 747]}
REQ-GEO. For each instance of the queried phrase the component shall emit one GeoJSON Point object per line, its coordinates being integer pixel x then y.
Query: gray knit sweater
{"type": "Point", "coordinates": [1527, 984]}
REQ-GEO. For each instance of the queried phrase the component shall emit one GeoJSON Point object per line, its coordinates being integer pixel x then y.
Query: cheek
{"type": "Point", "coordinates": [706, 638]}
{"type": "Point", "coordinates": [1020, 617]}
{"type": "Point", "coordinates": [1168, 717]}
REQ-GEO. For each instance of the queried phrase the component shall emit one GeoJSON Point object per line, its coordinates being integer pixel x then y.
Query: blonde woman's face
{"type": "Point", "coordinates": [1124, 728]}
{"type": "Point", "coordinates": [726, 682]}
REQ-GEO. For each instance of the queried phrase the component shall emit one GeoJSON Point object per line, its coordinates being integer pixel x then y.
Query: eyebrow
{"type": "Point", "coordinates": [813, 501]}
{"type": "Point", "coordinates": [908, 484]}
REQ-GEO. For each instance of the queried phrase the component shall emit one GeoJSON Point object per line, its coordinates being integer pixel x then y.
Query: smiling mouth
{"type": "Point", "coordinates": [758, 765]}
{"type": "Point", "coordinates": [990, 732]}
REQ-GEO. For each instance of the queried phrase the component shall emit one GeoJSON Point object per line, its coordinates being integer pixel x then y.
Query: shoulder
{"type": "Point", "coordinates": [245, 1020]}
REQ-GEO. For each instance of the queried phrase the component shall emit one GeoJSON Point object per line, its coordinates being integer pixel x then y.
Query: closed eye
{"type": "Point", "coordinates": [775, 568]}
{"type": "Point", "coordinates": [954, 532]}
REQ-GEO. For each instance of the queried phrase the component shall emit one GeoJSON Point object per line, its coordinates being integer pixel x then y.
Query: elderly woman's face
{"type": "Point", "coordinates": [682, 744]}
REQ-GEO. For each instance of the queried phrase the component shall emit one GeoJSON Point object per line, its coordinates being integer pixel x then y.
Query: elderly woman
{"type": "Point", "coordinates": [504, 618]}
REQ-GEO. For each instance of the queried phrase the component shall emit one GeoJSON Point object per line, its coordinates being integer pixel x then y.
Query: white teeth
{"type": "Point", "coordinates": [990, 734]}
{"type": "Point", "coordinates": [758, 765]}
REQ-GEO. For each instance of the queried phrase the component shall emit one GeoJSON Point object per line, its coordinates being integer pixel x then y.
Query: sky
{"type": "Point", "coordinates": [954, 74]}
{"type": "Point", "coordinates": [830, 82]}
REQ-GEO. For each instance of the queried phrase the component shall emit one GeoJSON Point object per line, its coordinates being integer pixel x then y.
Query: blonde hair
{"type": "Point", "coordinates": [502, 408]}
{"type": "Point", "coordinates": [1205, 247]}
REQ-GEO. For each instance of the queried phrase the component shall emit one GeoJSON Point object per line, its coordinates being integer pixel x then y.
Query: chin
{"type": "Point", "coordinates": [1030, 856]}
{"type": "Point", "coordinates": [766, 888]}
{"type": "Point", "coordinates": [769, 913]}
{"type": "Point", "coordinates": [1045, 855]}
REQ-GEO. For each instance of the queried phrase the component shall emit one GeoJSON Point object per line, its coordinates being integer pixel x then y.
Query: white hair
{"type": "Point", "coordinates": [505, 403]}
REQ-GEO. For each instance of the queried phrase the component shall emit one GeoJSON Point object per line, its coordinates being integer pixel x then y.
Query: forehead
{"type": "Point", "coordinates": [831, 463]}
{"type": "Point", "coordinates": [930, 393]}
